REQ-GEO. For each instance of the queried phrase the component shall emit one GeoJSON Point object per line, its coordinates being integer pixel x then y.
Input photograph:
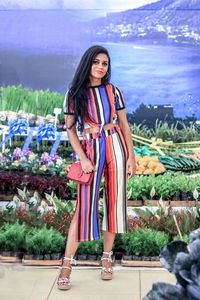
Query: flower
{"type": "Point", "coordinates": [45, 158]}
{"type": "Point", "coordinates": [32, 201]}
{"type": "Point", "coordinates": [18, 154]}
{"type": "Point", "coordinates": [43, 168]}
{"type": "Point", "coordinates": [59, 162]}
{"type": "Point", "coordinates": [41, 210]}
{"type": "Point", "coordinates": [11, 205]}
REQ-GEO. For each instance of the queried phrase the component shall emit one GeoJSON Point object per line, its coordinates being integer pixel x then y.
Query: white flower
{"type": "Point", "coordinates": [43, 168]}
{"type": "Point", "coordinates": [11, 205]}
{"type": "Point", "coordinates": [31, 156]}
{"type": "Point", "coordinates": [195, 194]}
{"type": "Point", "coordinates": [55, 209]}
{"type": "Point", "coordinates": [16, 163]}
{"type": "Point", "coordinates": [59, 162]}
{"type": "Point", "coordinates": [32, 201]}
{"type": "Point", "coordinates": [6, 150]}
{"type": "Point", "coordinates": [41, 210]}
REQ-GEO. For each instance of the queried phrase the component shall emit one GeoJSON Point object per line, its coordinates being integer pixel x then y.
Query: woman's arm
{"type": "Point", "coordinates": [75, 143]}
{"type": "Point", "coordinates": [124, 126]}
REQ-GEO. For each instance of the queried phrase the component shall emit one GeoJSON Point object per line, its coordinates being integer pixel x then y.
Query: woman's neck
{"type": "Point", "coordinates": [95, 82]}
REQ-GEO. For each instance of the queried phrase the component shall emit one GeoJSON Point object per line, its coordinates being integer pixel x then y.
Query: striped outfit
{"type": "Point", "coordinates": [108, 152]}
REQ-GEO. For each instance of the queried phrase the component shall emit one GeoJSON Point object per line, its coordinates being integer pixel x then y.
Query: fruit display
{"type": "Point", "coordinates": [179, 163]}
{"type": "Point", "coordinates": [147, 165]}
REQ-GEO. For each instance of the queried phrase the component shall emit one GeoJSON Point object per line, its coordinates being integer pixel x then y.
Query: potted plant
{"type": "Point", "coordinates": [141, 244]}
{"type": "Point", "coordinates": [44, 241]}
{"type": "Point", "coordinates": [90, 250]}
{"type": "Point", "coordinates": [12, 239]}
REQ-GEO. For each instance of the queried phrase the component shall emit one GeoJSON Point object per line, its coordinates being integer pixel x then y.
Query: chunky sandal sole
{"type": "Point", "coordinates": [64, 287]}
{"type": "Point", "coordinates": [104, 277]}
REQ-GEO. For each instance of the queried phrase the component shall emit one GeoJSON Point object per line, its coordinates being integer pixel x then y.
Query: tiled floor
{"type": "Point", "coordinates": [33, 283]}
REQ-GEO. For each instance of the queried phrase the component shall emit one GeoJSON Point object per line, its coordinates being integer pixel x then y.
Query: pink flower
{"type": "Point", "coordinates": [45, 158]}
{"type": "Point", "coordinates": [18, 153]}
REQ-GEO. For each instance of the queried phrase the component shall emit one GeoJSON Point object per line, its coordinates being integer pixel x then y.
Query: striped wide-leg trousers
{"type": "Point", "coordinates": [109, 155]}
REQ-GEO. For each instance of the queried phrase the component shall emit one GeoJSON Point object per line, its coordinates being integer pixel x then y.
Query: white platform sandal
{"type": "Point", "coordinates": [107, 273]}
{"type": "Point", "coordinates": [63, 283]}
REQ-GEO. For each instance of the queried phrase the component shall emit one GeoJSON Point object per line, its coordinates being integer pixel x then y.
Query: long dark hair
{"type": "Point", "coordinates": [79, 86]}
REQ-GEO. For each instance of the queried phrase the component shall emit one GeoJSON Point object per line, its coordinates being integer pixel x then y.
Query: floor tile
{"type": "Point", "coordinates": [148, 277]}
{"type": "Point", "coordinates": [87, 285]}
{"type": "Point", "coordinates": [22, 283]}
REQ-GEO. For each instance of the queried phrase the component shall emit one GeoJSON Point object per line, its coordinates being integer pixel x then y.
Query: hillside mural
{"type": "Point", "coordinates": [154, 49]}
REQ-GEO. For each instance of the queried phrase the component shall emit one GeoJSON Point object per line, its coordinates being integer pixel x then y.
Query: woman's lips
{"type": "Point", "coordinates": [99, 72]}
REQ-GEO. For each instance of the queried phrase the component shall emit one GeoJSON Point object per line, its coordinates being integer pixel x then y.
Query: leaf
{"type": "Point", "coordinates": [152, 193]}
{"type": "Point", "coordinates": [16, 199]}
{"type": "Point", "coordinates": [165, 291]}
{"type": "Point", "coordinates": [50, 198]}
{"type": "Point", "coordinates": [194, 291]}
{"type": "Point", "coordinates": [22, 193]}
{"type": "Point", "coordinates": [195, 250]}
{"type": "Point", "coordinates": [195, 194]}
{"type": "Point", "coordinates": [36, 196]}
{"type": "Point", "coordinates": [182, 262]}
{"type": "Point", "coordinates": [169, 253]}
{"type": "Point", "coordinates": [194, 235]}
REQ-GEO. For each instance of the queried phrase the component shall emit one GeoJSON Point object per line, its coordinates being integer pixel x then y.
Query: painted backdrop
{"type": "Point", "coordinates": [155, 48]}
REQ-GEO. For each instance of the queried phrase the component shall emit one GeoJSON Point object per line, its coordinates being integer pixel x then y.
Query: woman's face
{"type": "Point", "coordinates": [99, 68]}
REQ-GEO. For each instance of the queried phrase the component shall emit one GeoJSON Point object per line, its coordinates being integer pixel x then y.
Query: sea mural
{"type": "Point", "coordinates": [154, 47]}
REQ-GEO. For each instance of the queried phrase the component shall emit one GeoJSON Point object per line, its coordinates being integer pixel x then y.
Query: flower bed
{"type": "Point", "coordinates": [31, 162]}
{"type": "Point", "coordinates": [40, 232]}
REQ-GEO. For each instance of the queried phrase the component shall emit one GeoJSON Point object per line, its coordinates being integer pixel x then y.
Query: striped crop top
{"type": "Point", "coordinates": [103, 101]}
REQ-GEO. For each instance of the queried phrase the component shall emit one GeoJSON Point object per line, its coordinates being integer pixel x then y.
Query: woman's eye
{"type": "Point", "coordinates": [95, 62]}
{"type": "Point", "coordinates": [105, 64]}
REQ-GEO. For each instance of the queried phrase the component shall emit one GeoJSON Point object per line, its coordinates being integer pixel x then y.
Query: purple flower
{"type": "Point", "coordinates": [18, 154]}
{"type": "Point", "coordinates": [45, 158]}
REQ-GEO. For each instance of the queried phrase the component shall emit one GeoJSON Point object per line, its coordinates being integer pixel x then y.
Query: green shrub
{"type": "Point", "coordinates": [91, 247]}
{"type": "Point", "coordinates": [12, 237]}
{"type": "Point", "coordinates": [185, 238]}
{"type": "Point", "coordinates": [146, 242]}
{"type": "Point", "coordinates": [42, 241]}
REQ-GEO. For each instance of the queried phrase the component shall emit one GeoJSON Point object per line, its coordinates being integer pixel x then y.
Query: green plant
{"type": "Point", "coordinates": [39, 102]}
{"type": "Point", "coordinates": [145, 242]}
{"type": "Point", "coordinates": [12, 237]}
{"type": "Point", "coordinates": [166, 185]}
{"type": "Point", "coordinates": [42, 241]}
{"type": "Point", "coordinates": [91, 247]}
{"type": "Point", "coordinates": [185, 238]}
{"type": "Point", "coordinates": [73, 188]}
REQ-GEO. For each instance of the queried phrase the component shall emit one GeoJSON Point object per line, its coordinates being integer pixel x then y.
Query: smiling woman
{"type": "Point", "coordinates": [107, 150]}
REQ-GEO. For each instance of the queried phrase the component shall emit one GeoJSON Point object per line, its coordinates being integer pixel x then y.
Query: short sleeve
{"type": "Point", "coordinates": [68, 104]}
{"type": "Point", "coordinates": [119, 99]}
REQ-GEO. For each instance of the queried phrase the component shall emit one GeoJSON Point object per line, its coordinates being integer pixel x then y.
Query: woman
{"type": "Point", "coordinates": [96, 104]}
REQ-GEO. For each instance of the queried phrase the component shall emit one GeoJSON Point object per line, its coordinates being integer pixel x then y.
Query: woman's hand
{"type": "Point", "coordinates": [87, 165]}
{"type": "Point", "coordinates": [131, 166]}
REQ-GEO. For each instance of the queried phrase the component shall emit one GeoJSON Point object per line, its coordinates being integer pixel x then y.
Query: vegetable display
{"type": "Point", "coordinates": [148, 165]}
{"type": "Point", "coordinates": [179, 163]}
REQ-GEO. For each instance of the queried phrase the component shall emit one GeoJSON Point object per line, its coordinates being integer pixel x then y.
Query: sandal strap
{"type": "Point", "coordinates": [72, 260]}
{"type": "Point", "coordinates": [65, 267]}
{"type": "Point", "coordinates": [107, 270]}
{"type": "Point", "coordinates": [109, 256]}
{"type": "Point", "coordinates": [63, 280]}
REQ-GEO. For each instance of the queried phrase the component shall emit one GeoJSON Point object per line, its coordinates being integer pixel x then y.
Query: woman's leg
{"type": "Point", "coordinates": [71, 247]}
{"type": "Point", "coordinates": [109, 238]}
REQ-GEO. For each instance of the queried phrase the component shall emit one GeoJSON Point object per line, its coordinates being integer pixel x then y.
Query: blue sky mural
{"type": "Point", "coordinates": [154, 46]}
